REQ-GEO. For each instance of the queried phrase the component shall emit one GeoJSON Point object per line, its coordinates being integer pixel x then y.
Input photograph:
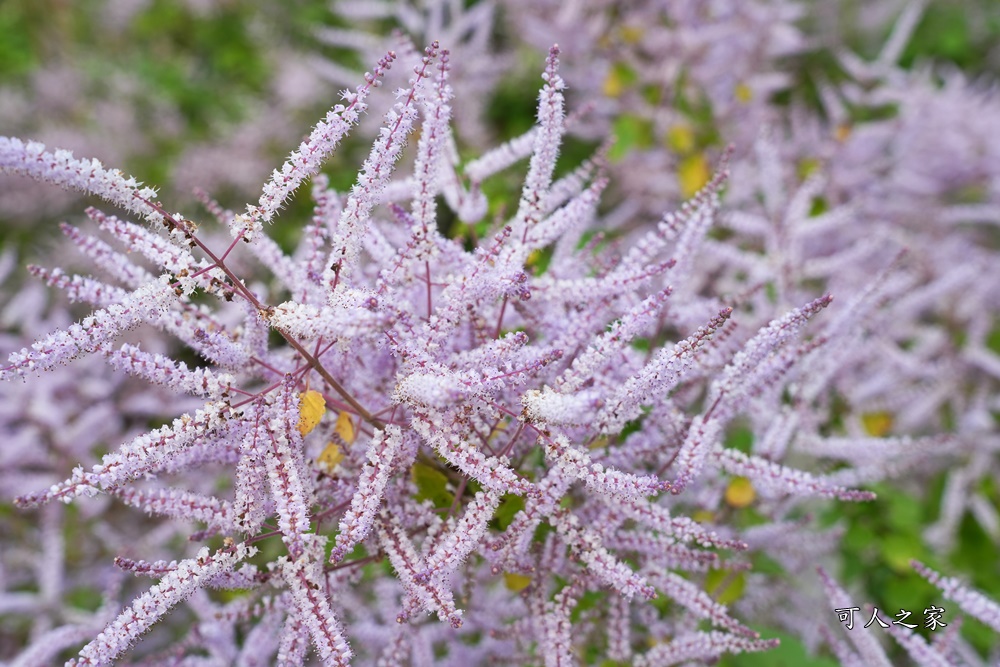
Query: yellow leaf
{"type": "Point", "coordinates": [330, 458]}
{"type": "Point", "coordinates": [807, 167]}
{"type": "Point", "coordinates": [877, 424]}
{"type": "Point", "coordinates": [692, 174]}
{"type": "Point", "coordinates": [744, 93]}
{"type": "Point", "coordinates": [345, 428]}
{"type": "Point", "coordinates": [631, 34]}
{"type": "Point", "coordinates": [703, 516]}
{"type": "Point", "coordinates": [312, 406]}
{"type": "Point", "coordinates": [740, 492]}
{"type": "Point", "coordinates": [680, 137]}
{"type": "Point", "coordinates": [613, 84]}
{"type": "Point", "coordinates": [599, 442]}
{"type": "Point", "coordinates": [497, 431]}
{"type": "Point", "coordinates": [516, 582]}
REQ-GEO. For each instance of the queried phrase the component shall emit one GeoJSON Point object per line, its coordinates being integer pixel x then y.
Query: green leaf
{"type": "Point", "coordinates": [630, 132]}
{"type": "Point", "coordinates": [619, 77]}
{"type": "Point", "coordinates": [725, 586]}
{"type": "Point", "coordinates": [819, 206]}
{"type": "Point", "coordinates": [588, 600]}
{"type": "Point", "coordinates": [740, 437]}
{"type": "Point", "coordinates": [85, 597]}
{"type": "Point", "coordinates": [899, 549]}
{"type": "Point", "coordinates": [432, 485]}
{"type": "Point", "coordinates": [509, 506]}
{"type": "Point", "coordinates": [640, 343]}
{"type": "Point", "coordinates": [771, 291]}
{"type": "Point", "coordinates": [764, 564]}
{"type": "Point", "coordinates": [993, 338]}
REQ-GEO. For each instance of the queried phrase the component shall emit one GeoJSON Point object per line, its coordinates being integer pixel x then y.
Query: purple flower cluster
{"type": "Point", "coordinates": [406, 451]}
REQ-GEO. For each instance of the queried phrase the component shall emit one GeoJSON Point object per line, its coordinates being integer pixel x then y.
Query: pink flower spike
{"type": "Point", "coordinates": [305, 161]}
{"type": "Point", "coordinates": [306, 582]}
{"type": "Point", "coordinates": [146, 609]}
{"type": "Point", "coordinates": [61, 168]}
{"type": "Point", "coordinates": [970, 600]}
{"type": "Point", "coordinates": [145, 304]}
{"type": "Point", "coordinates": [865, 643]}
{"type": "Point", "coordinates": [588, 546]}
{"type": "Point", "coordinates": [358, 519]}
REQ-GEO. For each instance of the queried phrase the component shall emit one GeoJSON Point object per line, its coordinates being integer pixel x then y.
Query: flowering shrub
{"type": "Point", "coordinates": [406, 451]}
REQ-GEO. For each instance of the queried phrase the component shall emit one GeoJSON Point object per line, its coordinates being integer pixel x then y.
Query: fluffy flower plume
{"type": "Point", "coordinates": [399, 447]}
{"type": "Point", "coordinates": [971, 601]}
{"type": "Point", "coordinates": [145, 610]}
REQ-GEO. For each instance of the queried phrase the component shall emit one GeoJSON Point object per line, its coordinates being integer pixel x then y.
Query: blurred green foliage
{"type": "Point", "coordinates": [190, 59]}
{"type": "Point", "coordinates": [17, 52]}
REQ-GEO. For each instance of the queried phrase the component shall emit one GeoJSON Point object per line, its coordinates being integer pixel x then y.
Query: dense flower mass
{"type": "Point", "coordinates": [521, 445]}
